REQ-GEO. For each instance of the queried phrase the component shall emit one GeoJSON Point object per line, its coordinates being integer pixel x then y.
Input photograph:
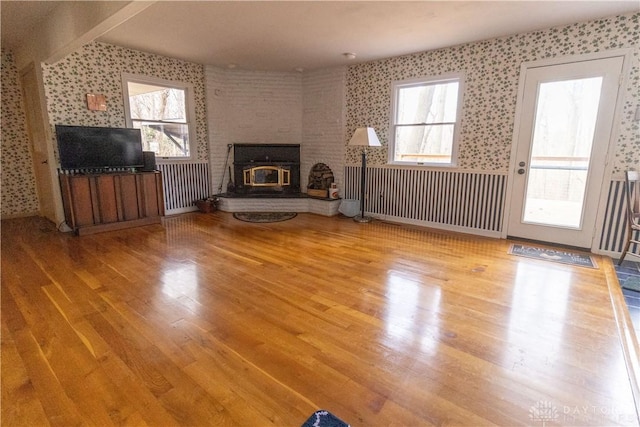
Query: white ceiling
{"type": "Point", "coordinates": [288, 35]}
{"type": "Point", "coordinates": [19, 17]}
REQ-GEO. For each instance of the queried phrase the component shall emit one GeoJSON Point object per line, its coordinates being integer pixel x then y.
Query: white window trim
{"type": "Point", "coordinates": [398, 84]}
{"type": "Point", "coordinates": [189, 100]}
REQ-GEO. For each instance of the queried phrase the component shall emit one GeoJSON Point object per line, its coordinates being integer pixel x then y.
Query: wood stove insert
{"type": "Point", "coordinates": [266, 169]}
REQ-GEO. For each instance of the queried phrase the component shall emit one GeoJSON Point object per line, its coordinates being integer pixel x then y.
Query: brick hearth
{"type": "Point", "coordinates": [324, 207]}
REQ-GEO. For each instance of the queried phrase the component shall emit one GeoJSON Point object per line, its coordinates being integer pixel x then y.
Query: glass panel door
{"type": "Point", "coordinates": [563, 136]}
{"type": "Point", "coordinates": [563, 140]}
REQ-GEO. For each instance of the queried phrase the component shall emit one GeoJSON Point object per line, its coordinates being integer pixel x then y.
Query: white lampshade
{"type": "Point", "coordinates": [366, 137]}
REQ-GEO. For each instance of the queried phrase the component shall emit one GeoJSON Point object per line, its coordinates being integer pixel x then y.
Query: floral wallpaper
{"type": "Point", "coordinates": [492, 71]}
{"type": "Point", "coordinates": [97, 68]}
{"type": "Point", "coordinates": [19, 195]}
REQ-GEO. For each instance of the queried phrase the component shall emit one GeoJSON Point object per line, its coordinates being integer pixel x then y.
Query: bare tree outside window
{"type": "Point", "coordinates": [425, 121]}
{"type": "Point", "coordinates": [161, 113]}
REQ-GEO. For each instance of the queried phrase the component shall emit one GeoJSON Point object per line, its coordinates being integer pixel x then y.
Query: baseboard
{"type": "Point", "coordinates": [427, 224]}
{"type": "Point", "coordinates": [180, 210]}
{"type": "Point", "coordinates": [20, 215]}
{"type": "Point", "coordinates": [616, 255]}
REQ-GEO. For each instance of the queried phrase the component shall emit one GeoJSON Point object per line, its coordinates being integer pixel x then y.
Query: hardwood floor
{"type": "Point", "coordinates": [206, 320]}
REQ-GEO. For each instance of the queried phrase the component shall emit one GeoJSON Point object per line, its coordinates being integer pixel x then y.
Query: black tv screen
{"type": "Point", "coordinates": [85, 147]}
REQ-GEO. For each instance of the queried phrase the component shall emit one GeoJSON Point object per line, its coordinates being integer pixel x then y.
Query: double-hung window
{"type": "Point", "coordinates": [163, 111]}
{"type": "Point", "coordinates": [425, 121]}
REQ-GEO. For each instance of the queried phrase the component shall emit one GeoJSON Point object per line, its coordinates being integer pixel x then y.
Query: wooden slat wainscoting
{"type": "Point", "coordinates": [184, 182]}
{"type": "Point", "coordinates": [465, 201]}
{"type": "Point", "coordinates": [206, 320]}
{"type": "Point", "coordinates": [614, 231]}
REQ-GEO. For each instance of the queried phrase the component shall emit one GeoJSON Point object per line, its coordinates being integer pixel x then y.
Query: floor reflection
{"type": "Point", "coordinates": [537, 318]}
{"type": "Point", "coordinates": [180, 280]}
{"type": "Point", "coordinates": [411, 315]}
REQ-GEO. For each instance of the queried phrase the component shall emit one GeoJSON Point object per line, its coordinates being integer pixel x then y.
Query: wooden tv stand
{"type": "Point", "coordinates": [111, 201]}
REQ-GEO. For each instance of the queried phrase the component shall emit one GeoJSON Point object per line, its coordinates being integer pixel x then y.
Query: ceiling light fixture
{"type": "Point", "coordinates": [299, 69]}
{"type": "Point", "coordinates": [349, 55]}
{"type": "Point", "coordinates": [231, 66]}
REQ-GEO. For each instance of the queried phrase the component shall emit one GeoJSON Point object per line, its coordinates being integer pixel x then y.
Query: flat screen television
{"type": "Point", "coordinates": [86, 147]}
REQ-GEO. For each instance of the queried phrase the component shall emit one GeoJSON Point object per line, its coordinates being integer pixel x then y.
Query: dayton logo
{"type": "Point", "coordinates": [543, 412]}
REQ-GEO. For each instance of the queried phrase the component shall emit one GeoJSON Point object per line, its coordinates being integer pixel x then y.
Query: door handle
{"type": "Point", "coordinates": [521, 171]}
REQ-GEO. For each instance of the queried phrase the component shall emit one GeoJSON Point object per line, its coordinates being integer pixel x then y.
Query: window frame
{"type": "Point", "coordinates": [190, 112]}
{"type": "Point", "coordinates": [457, 125]}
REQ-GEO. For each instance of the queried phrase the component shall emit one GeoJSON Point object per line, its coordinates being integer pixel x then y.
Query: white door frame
{"type": "Point", "coordinates": [617, 115]}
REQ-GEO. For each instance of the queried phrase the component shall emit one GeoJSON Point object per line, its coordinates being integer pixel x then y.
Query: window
{"type": "Point", "coordinates": [163, 111]}
{"type": "Point", "coordinates": [425, 121]}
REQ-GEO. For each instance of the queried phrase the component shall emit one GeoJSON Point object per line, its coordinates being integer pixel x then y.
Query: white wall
{"type": "Point", "coordinates": [323, 121]}
{"type": "Point", "coordinates": [276, 108]}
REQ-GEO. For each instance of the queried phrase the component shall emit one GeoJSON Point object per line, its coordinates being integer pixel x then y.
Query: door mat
{"type": "Point", "coordinates": [560, 256]}
{"type": "Point", "coordinates": [264, 216]}
{"type": "Point", "coordinates": [631, 283]}
{"type": "Point", "coordinates": [629, 275]}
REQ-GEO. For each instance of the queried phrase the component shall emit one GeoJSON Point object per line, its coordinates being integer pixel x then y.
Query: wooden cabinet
{"type": "Point", "coordinates": [103, 202]}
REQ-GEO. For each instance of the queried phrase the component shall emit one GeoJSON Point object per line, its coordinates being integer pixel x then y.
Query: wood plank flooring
{"type": "Point", "coordinates": [206, 320]}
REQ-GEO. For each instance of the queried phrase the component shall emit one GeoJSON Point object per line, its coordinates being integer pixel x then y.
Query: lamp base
{"type": "Point", "coordinates": [360, 218]}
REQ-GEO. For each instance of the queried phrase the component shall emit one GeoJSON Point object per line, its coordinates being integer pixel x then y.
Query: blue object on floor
{"type": "Point", "coordinates": [324, 419]}
{"type": "Point", "coordinates": [629, 275]}
{"type": "Point", "coordinates": [632, 283]}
